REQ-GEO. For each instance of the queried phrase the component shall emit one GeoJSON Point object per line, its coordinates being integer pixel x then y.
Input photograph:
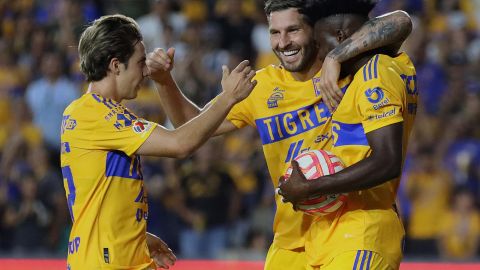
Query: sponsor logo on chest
{"type": "Point", "coordinates": [278, 94]}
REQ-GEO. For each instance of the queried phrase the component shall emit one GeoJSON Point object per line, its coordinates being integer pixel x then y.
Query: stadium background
{"type": "Point", "coordinates": [219, 204]}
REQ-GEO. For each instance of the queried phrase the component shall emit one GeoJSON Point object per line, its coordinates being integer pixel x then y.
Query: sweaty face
{"type": "Point", "coordinates": [292, 40]}
{"type": "Point", "coordinates": [133, 74]}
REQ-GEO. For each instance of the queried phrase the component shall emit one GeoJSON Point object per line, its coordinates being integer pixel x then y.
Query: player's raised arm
{"type": "Point", "coordinates": [184, 140]}
{"type": "Point", "coordinates": [386, 32]}
{"type": "Point", "coordinates": [176, 105]}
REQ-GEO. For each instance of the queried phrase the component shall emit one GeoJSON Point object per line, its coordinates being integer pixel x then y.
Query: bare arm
{"type": "Point", "coordinates": [384, 164]}
{"type": "Point", "coordinates": [177, 106]}
{"type": "Point", "coordinates": [184, 140]}
{"type": "Point", "coordinates": [386, 33]}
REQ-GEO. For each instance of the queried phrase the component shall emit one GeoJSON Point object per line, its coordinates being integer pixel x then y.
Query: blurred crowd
{"type": "Point", "coordinates": [219, 203]}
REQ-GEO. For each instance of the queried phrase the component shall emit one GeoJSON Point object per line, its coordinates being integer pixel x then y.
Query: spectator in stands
{"type": "Point", "coordinates": [153, 24]}
{"type": "Point", "coordinates": [460, 233]}
{"type": "Point", "coordinates": [428, 187]}
{"type": "Point", "coordinates": [210, 204]}
{"type": "Point", "coordinates": [48, 97]}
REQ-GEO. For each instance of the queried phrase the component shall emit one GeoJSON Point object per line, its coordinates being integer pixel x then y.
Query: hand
{"type": "Point", "coordinates": [294, 189]}
{"type": "Point", "coordinates": [161, 254]}
{"type": "Point", "coordinates": [239, 83]}
{"type": "Point", "coordinates": [160, 63]}
{"type": "Point", "coordinates": [331, 93]}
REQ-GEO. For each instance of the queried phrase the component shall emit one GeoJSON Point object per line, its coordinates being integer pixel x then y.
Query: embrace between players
{"type": "Point", "coordinates": [368, 131]}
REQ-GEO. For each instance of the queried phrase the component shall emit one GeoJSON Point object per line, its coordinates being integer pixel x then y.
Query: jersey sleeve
{"type": "Point", "coordinates": [238, 115]}
{"type": "Point", "coordinates": [380, 95]}
{"type": "Point", "coordinates": [126, 133]}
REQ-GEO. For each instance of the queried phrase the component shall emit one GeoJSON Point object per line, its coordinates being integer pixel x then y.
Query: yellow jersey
{"type": "Point", "coordinates": [383, 92]}
{"type": "Point", "coordinates": [104, 184]}
{"type": "Point", "coordinates": [290, 118]}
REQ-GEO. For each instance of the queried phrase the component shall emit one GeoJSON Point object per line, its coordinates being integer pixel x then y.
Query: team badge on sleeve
{"type": "Point", "coordinates": [141, 125]}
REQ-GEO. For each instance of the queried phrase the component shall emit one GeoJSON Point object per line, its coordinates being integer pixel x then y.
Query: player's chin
{"type": "Point", "coordinates": [293, 67]}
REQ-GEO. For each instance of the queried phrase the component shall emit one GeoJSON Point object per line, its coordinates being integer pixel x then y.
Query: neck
{"type": "Point", "coordinates": [310, 73]}
{"type": "Point", "coordinates": [106, 88]}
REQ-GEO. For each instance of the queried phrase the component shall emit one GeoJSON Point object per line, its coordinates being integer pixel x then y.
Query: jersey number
{"type": "Point", "coordinates": [67, 174]}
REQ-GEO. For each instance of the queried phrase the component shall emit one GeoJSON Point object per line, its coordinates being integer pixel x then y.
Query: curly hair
{"type": "Point", "coordinates": [326, 8]}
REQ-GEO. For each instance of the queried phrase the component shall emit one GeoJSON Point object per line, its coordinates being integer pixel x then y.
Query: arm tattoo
{"type": "Point", "coordinates": [341, 50]}
{"type": "Point", "coordinates": [376, 33]}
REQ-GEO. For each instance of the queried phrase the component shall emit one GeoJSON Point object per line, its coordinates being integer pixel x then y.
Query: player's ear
{"type": "Point", "coordinates": [114, 66]}
{"type": "Point", "coordinates": [341, 35]}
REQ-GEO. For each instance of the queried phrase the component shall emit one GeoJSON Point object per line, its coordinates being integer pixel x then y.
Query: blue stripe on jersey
{"type": "Point", "coordinates": [349, 134]}
{"type": "Point", "coordinates": [297, 149]}
{"type": "Point", "coordinates": [107, 102]}
{"type": "Point", "coordinates": [96, 98]}
{"type": "Point", "coordinates": [369, 258]}
{"type": "Point", "coordinates": [282, 126]}
{"type": "Point", "coordinates": [356, 260]}
{"type": "Point", "coordinates": [121, 165]}
{"type": "Point", "coordinates": [375, 71]}
{"type": "Point", "coordinates": [370, 69]}
{"type": "Point", "coordinates": [290, 151]}
{"type": "Point", "coordinates": [365, 73]}
{"type": "Point", "coordinates": [363, 259]}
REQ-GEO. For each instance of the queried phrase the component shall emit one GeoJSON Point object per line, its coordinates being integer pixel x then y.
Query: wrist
{"type": "Point", "coordinates": [164, 80]}
{"type": "Point", "coordinates": [227, 99]}
{"type": "Point", "coordinates": [333, 56]}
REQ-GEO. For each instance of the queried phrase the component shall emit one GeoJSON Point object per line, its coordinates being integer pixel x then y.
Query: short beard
{"type": "Point", "coordinates": [306, 61]}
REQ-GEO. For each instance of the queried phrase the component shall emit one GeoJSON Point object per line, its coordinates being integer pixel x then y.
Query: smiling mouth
{"type": "Point", "coordinates": [290, 52]}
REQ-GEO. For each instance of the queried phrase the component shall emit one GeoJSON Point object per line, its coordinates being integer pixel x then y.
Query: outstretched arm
{"type": "Point", "coordinates": [386, 32]}
{"type": "Point", "coordinates": [184, 140]}
{"type": "Point", "coordinates": [384, 164]}
{"type": "Point", "coordinates": [177, 106]}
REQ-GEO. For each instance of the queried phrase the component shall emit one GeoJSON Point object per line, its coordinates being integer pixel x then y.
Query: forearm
{"type": "Point", "coordinates": [388, 30]}
{"type": "Point", "coordinates": [196, 131]}
{"type": "Point", "coordinates": [370, 172]}
{"type": "Point", "coordinates": [177, 106]}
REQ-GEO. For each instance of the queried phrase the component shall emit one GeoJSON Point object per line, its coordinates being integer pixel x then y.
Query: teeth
{"type": "Point", "coordinates": [290, 53]}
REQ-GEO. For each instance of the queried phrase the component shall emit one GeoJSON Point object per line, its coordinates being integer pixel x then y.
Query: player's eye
{"type": "Point", "coordinates": [274, 32]}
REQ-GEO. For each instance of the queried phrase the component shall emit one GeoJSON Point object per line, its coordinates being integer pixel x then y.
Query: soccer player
{"type": "Point", "coordinates": [370, 130]}
{"type": "Point", "coordinates": [286, 106]}
{"type": "Point", "coordinates": [101, 141]}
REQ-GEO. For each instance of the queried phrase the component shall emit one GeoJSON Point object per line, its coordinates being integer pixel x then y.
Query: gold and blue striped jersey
{"type": "Point", "coordinates": [104, 184]}
{"type": "Point", "coordinates": [290, 118]}
{"type": "Point", "coordinates": [383, 92]}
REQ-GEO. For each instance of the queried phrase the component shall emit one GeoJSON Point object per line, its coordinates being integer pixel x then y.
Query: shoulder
{"type": "Point", "coordinates": [270, 72]}
{"type": "Point", "coordinates": [88, 107]}
{"type": "Point", "coordinates": [384, 68]}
